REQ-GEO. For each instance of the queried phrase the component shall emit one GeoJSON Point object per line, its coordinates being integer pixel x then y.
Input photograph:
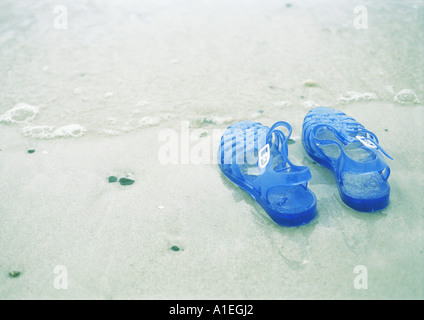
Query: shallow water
{"type": "Point", "coordinates": [94, 100]}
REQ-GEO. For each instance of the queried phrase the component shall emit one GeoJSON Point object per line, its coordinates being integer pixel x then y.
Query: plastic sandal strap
{"type": "Point", "coordinates": [319, 141]}
{"type": "Point", "coordinates": [372, 144]}
{"type": "Point", "coordinates": [270, 179]}
{"type": "Point", "coordinates": [347, 164]}
{"type": "Point", "coordinates": [288, 176]}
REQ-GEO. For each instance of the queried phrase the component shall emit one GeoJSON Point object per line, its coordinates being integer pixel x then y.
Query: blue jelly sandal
{"type": "Point", "coordinates": [255, 158]}
{"type": "Point", "coordinates": [354, 155]}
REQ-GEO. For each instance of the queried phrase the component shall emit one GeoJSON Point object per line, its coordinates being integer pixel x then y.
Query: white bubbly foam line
{"type": "Point", "coordinates": [20, 113]}
{"type": "Point", "coordinates": [51, 132]}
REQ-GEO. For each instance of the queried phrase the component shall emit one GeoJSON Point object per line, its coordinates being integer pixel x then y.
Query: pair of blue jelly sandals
{"type": "Point", "coordinates": [255, 157]}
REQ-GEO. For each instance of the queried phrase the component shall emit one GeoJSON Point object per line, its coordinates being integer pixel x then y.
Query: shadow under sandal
{"type": "Point", "coordinates": [255, 158]}
{"type": "Point", "coordinates": [354, 155]}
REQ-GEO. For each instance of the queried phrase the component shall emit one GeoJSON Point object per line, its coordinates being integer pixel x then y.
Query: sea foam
{"type": "Point", "coordinates": [406, 96]}
{"type": "Point", "coordinates": [51, 132]}
{"type": "Point", "coordinates": [352, 96]}
{"type": "Point", "coordinates": [20, 113]}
